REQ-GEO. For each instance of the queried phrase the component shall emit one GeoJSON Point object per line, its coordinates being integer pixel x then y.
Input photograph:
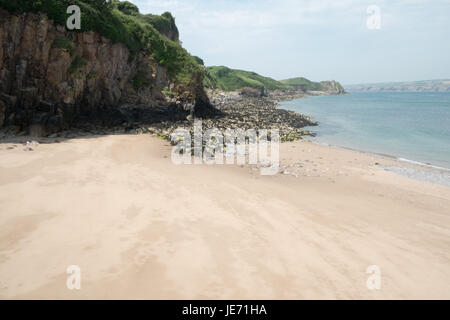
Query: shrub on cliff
{"type": "Point", "coordinates": [64, 43]}
{"type": "Point", "coordinates": [199, 60]}
{"type": "Point", "coordinates": [164, 23]}
{"type": "Point", "coordinates": [128, 8]}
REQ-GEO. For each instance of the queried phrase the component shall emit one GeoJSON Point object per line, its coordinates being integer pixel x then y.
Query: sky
{"type": "Point", "coordinates": [351, 41]}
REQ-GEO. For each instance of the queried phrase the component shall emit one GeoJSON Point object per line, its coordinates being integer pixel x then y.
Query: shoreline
{"type": "Point", "coordinates": [436, 175]}
{"type": "Point", "coordinates": [229, 103]}
{"type": "Point", "coordinates": [234, 110]}
{"type": "Point", "coordinates": [238, 101]}
{"type": "Point", "coordinates": [424, 164]}
{"type": "Point", "coordinates": [28, 142]}
{"type": "Point", "coordinates": [421, 172]}
{"type": "Point", "coordinates": [384, 155]}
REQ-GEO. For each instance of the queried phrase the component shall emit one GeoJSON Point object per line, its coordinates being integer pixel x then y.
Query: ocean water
{"type": "Point", "coordinates": [409, 126]}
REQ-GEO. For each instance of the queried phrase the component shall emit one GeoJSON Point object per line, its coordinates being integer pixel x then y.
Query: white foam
{"type": "Point", "coordinates": [432, 175]}
{"type": "Point", "coordinates": [423, 164]}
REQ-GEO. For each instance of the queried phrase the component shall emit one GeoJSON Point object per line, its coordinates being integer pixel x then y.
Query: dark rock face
{"type": "Point", "coordinates": [51, 78]}
{"type": "Point", "coordinates": [2, 112]}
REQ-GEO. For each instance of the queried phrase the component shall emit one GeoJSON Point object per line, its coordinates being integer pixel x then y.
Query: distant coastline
{"type": "Point", "coordinates": [440, 85]}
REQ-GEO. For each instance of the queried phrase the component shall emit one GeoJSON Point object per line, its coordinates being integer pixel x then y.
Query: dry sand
{"type": "Point", "coordinates": [141, 227]}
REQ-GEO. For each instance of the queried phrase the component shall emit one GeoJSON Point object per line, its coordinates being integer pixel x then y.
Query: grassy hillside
{"type": "Point", "coordinates": [120, 21]}
{"type": "Point", "coordinates": [230, 79]}
{"type": "Point", "coordinates": [303, 82]}
{"type": "Point", "coordinates": [308, 85]}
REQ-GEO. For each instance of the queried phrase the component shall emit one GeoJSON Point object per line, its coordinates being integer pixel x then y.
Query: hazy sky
{"type": "Point", "coordinates": [318, 39]}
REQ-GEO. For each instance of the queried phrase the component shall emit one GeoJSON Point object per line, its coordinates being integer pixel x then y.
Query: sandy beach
{"type": "Point", "coordinates": [140, 227]}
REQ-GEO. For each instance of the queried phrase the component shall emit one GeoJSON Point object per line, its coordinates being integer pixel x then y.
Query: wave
{"type": "Point", "coordinates": [423, 164]}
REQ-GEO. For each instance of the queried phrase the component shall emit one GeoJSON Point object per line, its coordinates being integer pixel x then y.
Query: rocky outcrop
{"type": "Point", "coordinates": [247, 111]}
{"type": "Point", "coordinates": [332, 87]}
{"type": "Point", "coordinates": [51, 78]}
{"type": "Point", "coordinates": [253, 92]}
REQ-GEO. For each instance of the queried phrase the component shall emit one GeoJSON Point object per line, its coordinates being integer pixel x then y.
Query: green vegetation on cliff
{"type": "Point", "coordinates": [120, 21]}
{"type": "Point", "coordinates": [128, 8]}
{"type": "Point", "coordinates": [230, 79]}
{"type": "Point", "coordinates": [77, 64]}
{"type": "Point", "coordinates": [303, 82]}
{"type": "Point", "coordinates": [164, 23]}
{"type": "Point", "coordinates": [308, 85]}
{"type": "Point", "coordinates": [141, 80]}
{"type": "Point", "coordinates": [64, 43]}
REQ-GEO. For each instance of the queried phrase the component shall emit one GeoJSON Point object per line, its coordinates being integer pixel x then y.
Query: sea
{"type": "Point", "coordinates": [410, 126]}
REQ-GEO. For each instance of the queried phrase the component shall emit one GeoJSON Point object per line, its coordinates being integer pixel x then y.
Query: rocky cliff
{"type": "Point", "coordinates": [332, 87]}
{"type": "Point", "coordinates": [308, 86]}
{"type": "Point", "coordinates": [51, 78]}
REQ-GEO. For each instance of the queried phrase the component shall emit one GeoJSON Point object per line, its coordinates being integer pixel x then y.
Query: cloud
{"type": "Point", "coordinates": [236, 14]}
{"type": "Point", "coordinates": [308, 37]}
